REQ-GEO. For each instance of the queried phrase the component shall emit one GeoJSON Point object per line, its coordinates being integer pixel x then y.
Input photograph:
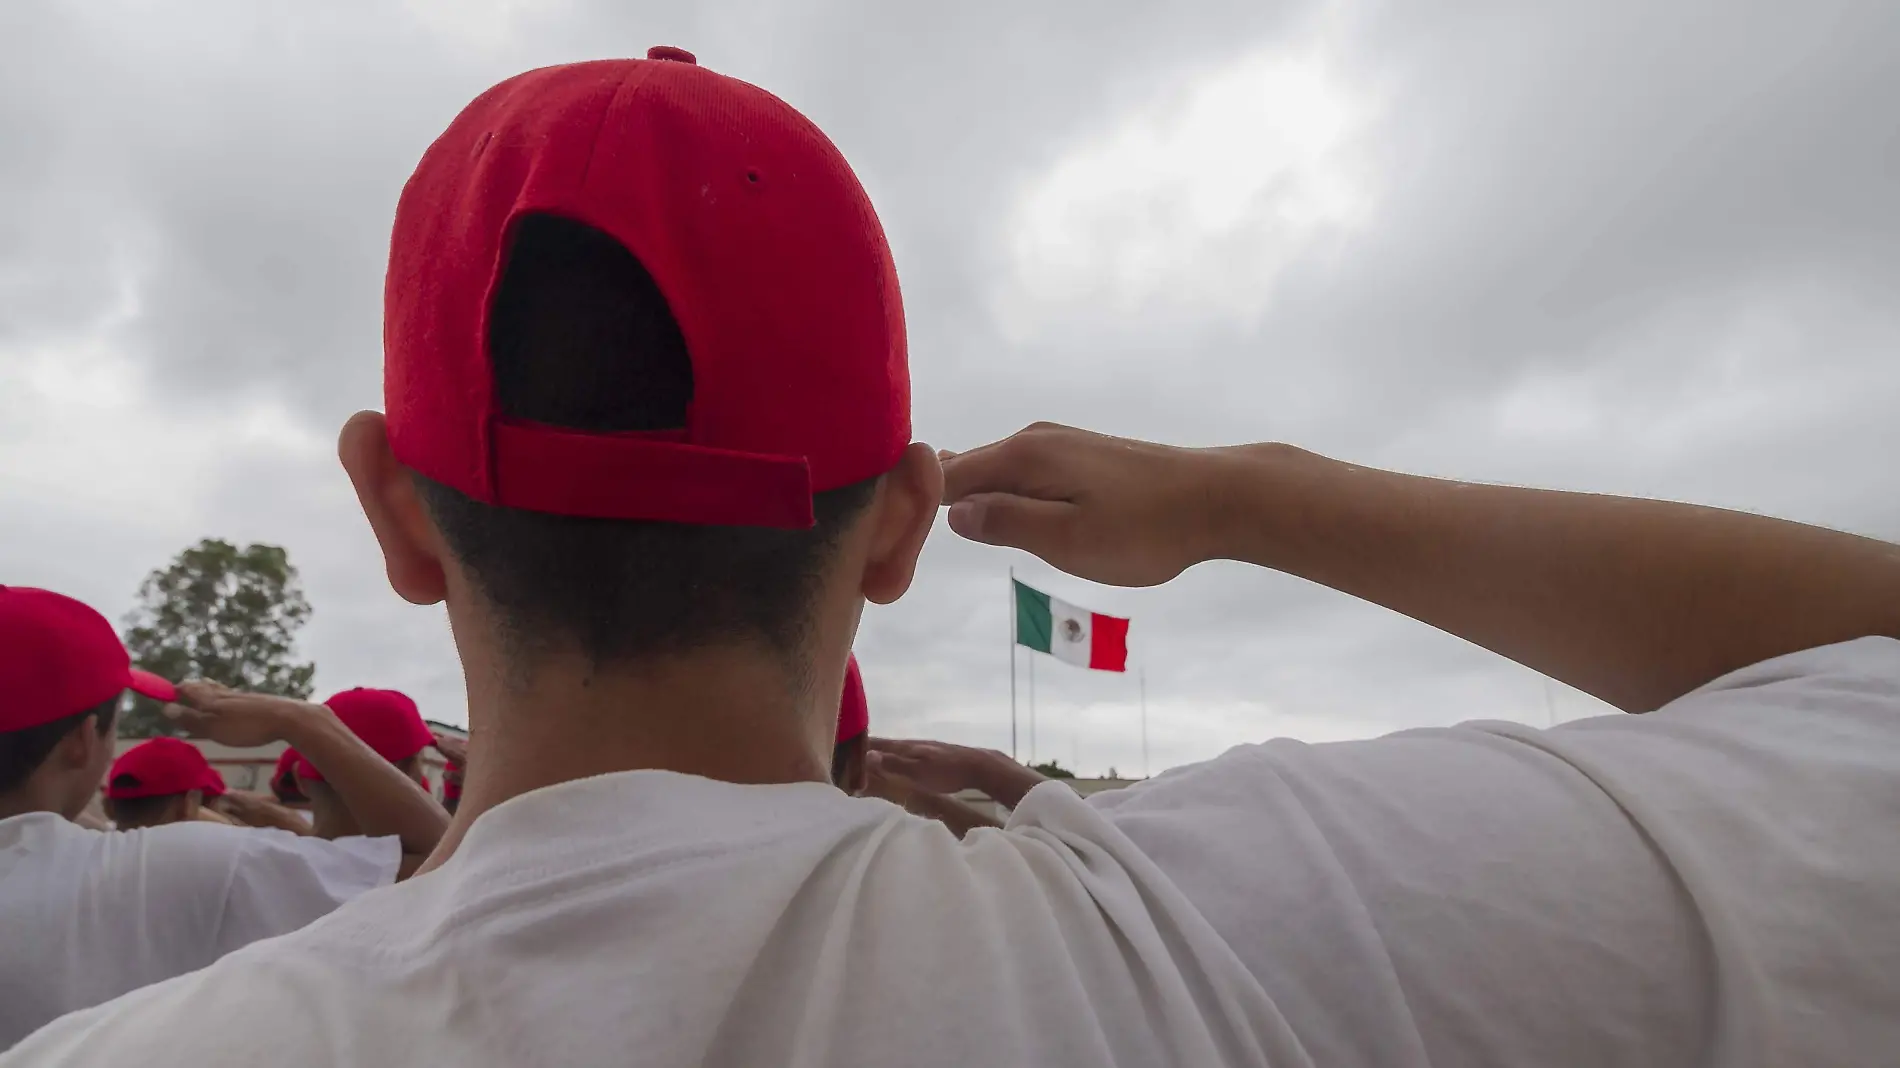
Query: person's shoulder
{"type": "Point", "coordinates": [1834, 698]}
{"type": "Point", "coordinates": [273, 840]}
{"type": "Point", "coordinates": [283, 881]}
{"type": "Point", "coordinates": [310, 996]}
{"type": "Point", "coordinates": [219, 1015]}
{"type": "Point", "coordinates": [222, 859]}
{"type": "Point", "coordinates": [1867, 667]}
{"type": "Point", "coordinates": [205, 840]}
{"type": "Point", "coordinates": [192, 843]}
{"type": "Point", "coordinates": [37, 830]}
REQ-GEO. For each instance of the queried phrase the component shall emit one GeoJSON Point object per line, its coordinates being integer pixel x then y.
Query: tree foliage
{"type": "Point", "coordinates": [1053, 770]}
{"type": "Point", "coordinates": [222, 613]}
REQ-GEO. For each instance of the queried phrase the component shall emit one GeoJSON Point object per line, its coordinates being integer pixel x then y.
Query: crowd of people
{"type": "Point", "coordinates": [647, 436]}
{"type": "Point", "coordinates": [334, 834]}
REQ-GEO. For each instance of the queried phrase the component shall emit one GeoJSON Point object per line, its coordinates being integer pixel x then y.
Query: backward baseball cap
{"type": "Point", "coordinates": [754, 229]}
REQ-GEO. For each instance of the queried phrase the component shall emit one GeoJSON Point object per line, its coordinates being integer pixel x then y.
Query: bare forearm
{"type": "Point", "coordinates": [1634, 601]}
{"type": "Point", "coordinates": [382, 799]}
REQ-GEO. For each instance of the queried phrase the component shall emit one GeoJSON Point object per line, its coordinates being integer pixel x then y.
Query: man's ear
{"type": "Point", "coordinates": [412, 550]}
{"type": "Point", "coordinates": [906, 505]}
{"type": "Point", "coordinates": [82, 745]}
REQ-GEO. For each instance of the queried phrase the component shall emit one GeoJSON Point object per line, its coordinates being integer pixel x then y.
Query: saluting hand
{"type": "Point", "coordinates": [232, 717]}
{"type": "Point", "coordinates": [943, 768]}
{"type": "Point", "coordinates": [453, 749]}
{"type": "Point", "coordinates": [1111, 510]}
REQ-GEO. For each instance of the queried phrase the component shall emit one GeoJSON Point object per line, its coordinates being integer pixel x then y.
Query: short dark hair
{"type": "Point", "coordinates": [130, 812]}
{"type": "Point", "coordinates": [23, 751]}
{"type": "Point", "coordinates": [581, 337]}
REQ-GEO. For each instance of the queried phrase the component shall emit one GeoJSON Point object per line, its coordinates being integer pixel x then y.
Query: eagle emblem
{"type": "Point", "coordinates": [1071, 630]}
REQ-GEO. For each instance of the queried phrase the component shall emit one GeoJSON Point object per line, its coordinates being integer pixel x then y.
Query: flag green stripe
{"type": "Point", "coordinates": [1034, 625]}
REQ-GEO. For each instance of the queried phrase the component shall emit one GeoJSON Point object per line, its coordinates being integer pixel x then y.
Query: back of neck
{"type": "Point", "coordinates": [737, 714]}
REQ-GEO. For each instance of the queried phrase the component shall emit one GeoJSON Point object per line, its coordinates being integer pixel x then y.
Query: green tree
{"type": "Point", "coordinates": [222, 613]}
{"type": "Point", "coordinates": [1053, 770]}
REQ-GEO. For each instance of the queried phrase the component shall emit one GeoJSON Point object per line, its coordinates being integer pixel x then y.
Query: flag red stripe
{"type": "Point", "coordinates": [1108, 643]}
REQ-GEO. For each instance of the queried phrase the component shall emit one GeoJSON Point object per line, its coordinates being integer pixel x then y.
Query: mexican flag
{"type": "Point", "coordinates": [1077, 635]}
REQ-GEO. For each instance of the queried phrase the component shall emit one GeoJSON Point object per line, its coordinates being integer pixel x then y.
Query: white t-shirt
{"type": "Point", "coordinates": [87, 915]}
{"type": "Point", "coordinates": [1717, 883]}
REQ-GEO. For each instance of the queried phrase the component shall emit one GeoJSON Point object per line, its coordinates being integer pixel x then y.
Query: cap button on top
{"type": "Point", "coordinates": [677, 55]}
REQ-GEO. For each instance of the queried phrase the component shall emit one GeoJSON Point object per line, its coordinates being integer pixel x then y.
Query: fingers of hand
{"type": "Point", "coordinates": [894, 764]}
{"type": "Point", "coordinates": [1041, 527]}
{"type": "Point", "coordinates": [1017, 464]}
{"type": "Point", "coordinates": [912, 751]}
{"type": "Point", "coordinates": [196, 693]}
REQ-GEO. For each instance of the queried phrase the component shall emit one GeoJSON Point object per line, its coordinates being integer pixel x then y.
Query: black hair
{"type": "Point", "coordinates": [130, 812]}
{"type": "Point", "coordinates": [23, 751]}
{"type": "Point", "coordinates": [581, 337]}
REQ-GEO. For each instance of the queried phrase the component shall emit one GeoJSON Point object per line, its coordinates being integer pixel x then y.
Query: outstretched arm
{"type": "Point", "coordinates": [383, 800]}
{"type": "Point", "coordinates": [1635, 601]}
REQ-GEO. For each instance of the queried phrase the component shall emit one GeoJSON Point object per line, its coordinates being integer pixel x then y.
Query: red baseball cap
{"type": "Point", "coordinates": [386, 720]}
{"type": "Point", "coordinates": [159, 767]}
{"type": "Point", "coordinates": [854, 713]}
{"type": "Point", "coordinates": [754, 228]}
{"type": "Point", "coordinates": [58, 657]}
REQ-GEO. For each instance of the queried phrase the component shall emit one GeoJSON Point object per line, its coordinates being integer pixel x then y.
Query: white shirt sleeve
{"type": "Point", "coordinates": [281, 881]}
{"type": "Point", "coordinates": [1715, 882]}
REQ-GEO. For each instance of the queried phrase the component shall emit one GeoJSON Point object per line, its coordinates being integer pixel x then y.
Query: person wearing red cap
{"type": "Point", "coordinates": [848, 769]}
{"type": "Point", "coordinates": [390, 724]}
{"type": "Point", "coordinates": [648, 439]}
{"type": "Point", "coordinates": [166, 780]}
{"type": "Point", "coordinates": [63, 673]}
{"type": "Point", "coordinates": [648, 435]}
{"type": "Point", "coordinates": [853, 772]}
{"type": "Point", "coordinates": [89, 915]}
{"type": "Point", "coordinates": [161, 781]}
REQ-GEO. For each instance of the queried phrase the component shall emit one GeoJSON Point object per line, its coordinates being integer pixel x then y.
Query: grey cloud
{"type": "Point", "coordinates": [1620, 247]}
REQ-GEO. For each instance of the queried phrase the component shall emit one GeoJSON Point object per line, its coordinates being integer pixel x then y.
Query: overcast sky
{"type": "Point", "coordinates": [1631, 247]}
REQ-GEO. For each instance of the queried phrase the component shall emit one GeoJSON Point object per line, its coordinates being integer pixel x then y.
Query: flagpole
{"type": "Point", "coordinates": [1144, 722]}
{"type": "Point", "coordinates": [1012, 663]}
{"type": "Point", "coordinates": [1032, 710]}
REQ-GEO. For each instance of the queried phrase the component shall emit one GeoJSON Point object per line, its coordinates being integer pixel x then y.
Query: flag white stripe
{"type": "Point", "coordinates": [1069, 632]}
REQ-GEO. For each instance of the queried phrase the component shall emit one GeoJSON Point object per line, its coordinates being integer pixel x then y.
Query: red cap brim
{"type": "Point", "coordinates": [144, 682]}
